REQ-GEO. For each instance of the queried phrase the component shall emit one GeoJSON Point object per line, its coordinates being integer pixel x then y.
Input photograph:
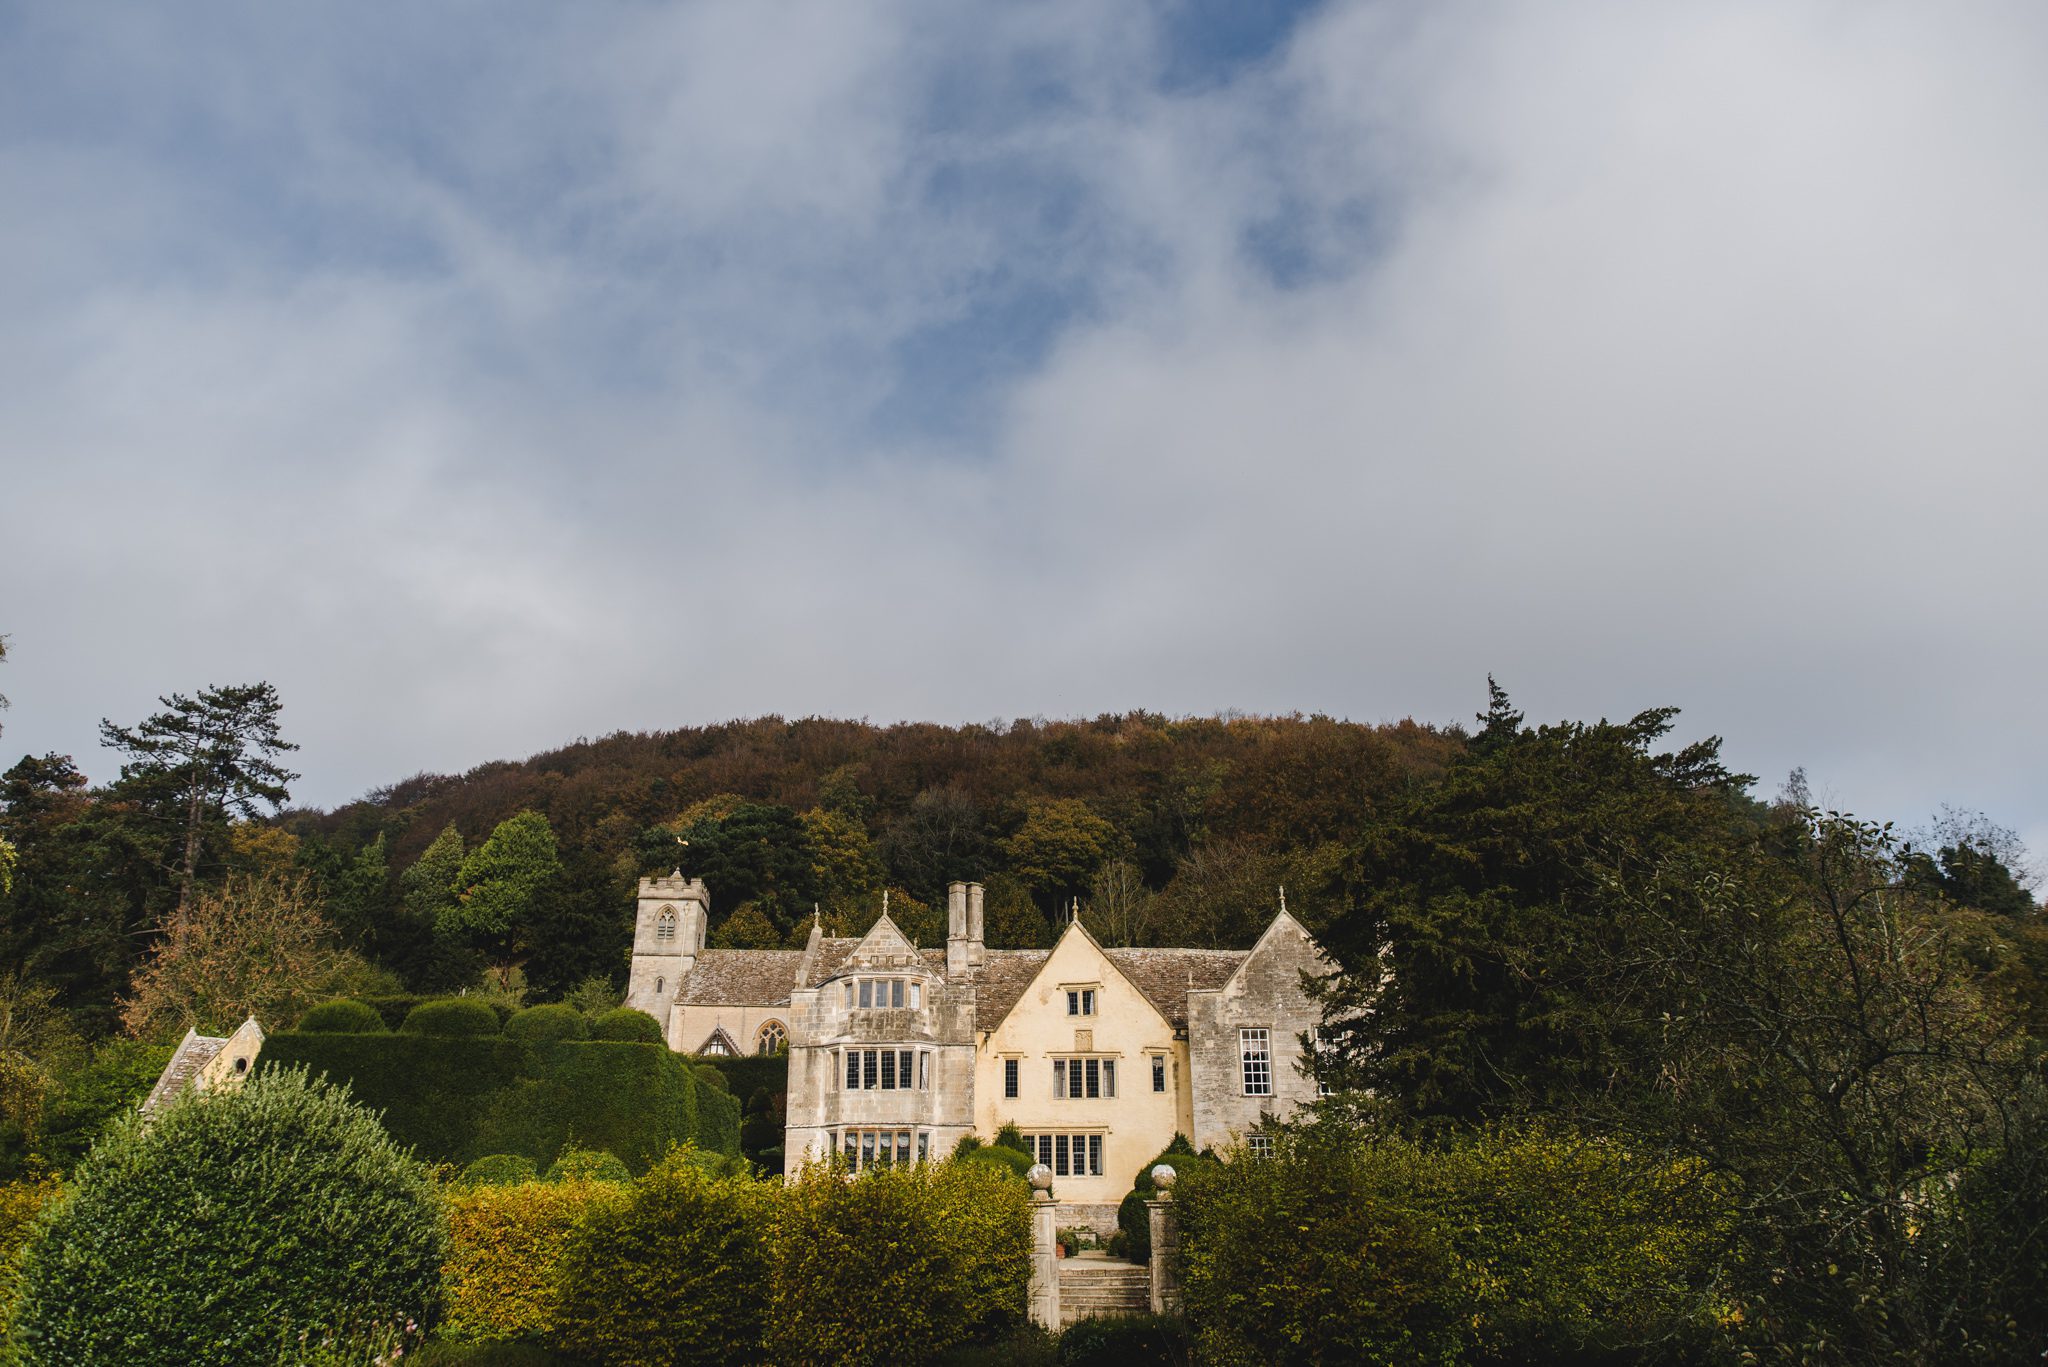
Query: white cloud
{"type": "Point", "coordinates": [1638, 354]}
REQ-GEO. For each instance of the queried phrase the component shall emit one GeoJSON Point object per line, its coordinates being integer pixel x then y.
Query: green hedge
{"type": "Point", "coordinates": [551, 1024]}
{"type": "Point", "coordinates": [624, 1025]}
{"type": "Point", "coordinates": [434, 1092]}
{"type": "Point", "coordinates": [458, 1098]}
{"type": "Point", "coordinates": [454, 1017]}
{"type": "Point", "coordinates": [750, 1073]}
{"type": "Point", "coordinates": [394, 1009]}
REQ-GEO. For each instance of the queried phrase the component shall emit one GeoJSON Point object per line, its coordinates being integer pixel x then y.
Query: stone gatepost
{"type": "Point", "coordinates": [1165, 1243]}
{"type": "Point", "coordinates": [1044, 1303]}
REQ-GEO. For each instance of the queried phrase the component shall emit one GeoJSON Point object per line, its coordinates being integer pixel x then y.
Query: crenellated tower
{"type": "Point", "coordinates": [668, 934]}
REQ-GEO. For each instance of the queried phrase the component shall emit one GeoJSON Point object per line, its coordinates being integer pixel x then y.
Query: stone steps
{"type": "Point", "coordinates": [1096, 1286]}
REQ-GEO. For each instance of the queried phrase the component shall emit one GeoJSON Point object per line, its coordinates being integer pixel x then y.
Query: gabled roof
{"type": "Point", "coordinates": [1282, 921]}
{"type": "Point", "coordinates": [1166, 976]}
{"type": "Point", "coordinates": [194, 1052]}
{"type": "Point", "coordinates": [1001, 980]}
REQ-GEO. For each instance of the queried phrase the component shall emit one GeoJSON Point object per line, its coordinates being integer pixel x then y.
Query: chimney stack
{"type": "Point", "coordinates": [974, 933]}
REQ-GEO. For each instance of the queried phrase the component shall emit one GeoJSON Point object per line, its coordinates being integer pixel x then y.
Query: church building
{"type": "Point", "coordinates": [896, 1051]}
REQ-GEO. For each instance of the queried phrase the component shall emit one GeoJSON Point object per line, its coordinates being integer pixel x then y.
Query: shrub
{"type": "Point", "coordinates": [232, 1219]}
{"type": "Point", "coordinates": [20, 1203]}
{"type": "Point", "coordinates": [342, 1018]}
{"type": "Point", "coordinates": [452, 1354]}
{"type": "Point", "coordinates": [587, 1165]}
{"type": "Point", "coordinates": [632, 1100]}
{"type": "Point", "coordinates": [1127, 1341]}
{"type": "Point", "coordinates": [496, 1170]}
{"type": "Point", "coordinates": [451, 1017]}
{"type": "Point", "coordinates": [627, 1026]}
{"type": "Point", "coordinates": [1025, 1346]}
{"type": "Point", "coordinates": [943, 1246]}
{"type": "Point", "coordinates": [538, 1025]}
{"type": "Point", "coordinates": [667, 1274]}
{"type": "Point", "coordinates": [505, 1250]}
{"type": "Point", "coordinates": [711, 1078]}
{"type": "Point", "coordinates": [1509, 1248]}
{"type": "Point", "coordinates": [1133, 1215]}
{"type": "Point", "coordinates": [1001, 1159]}
{"type": "Point", "coordinates": [433, 1092]}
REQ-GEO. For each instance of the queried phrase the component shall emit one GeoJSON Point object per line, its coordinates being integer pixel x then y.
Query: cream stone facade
{"type": "Point", "coordinates": [896, 1051]}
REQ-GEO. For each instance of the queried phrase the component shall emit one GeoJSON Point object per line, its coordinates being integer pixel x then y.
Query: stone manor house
{"type": "Point", "coordinates": [895, 1051]}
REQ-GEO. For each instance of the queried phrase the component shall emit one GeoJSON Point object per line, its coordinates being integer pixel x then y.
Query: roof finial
{"type": "Point", "coordinates": [1283, 897]}
{"type": "Point", "coordinates": [817, 916]}
{"type": "Point", "coordinates": [885, 901]}
{"type": "Point", "coordinates": [1074, 910]}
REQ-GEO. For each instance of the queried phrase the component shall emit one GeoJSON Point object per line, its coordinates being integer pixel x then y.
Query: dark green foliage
{"type": "Point", "coordinates": [1133, 1216]}
{"type": "Point", "coordinates": [711, 1077]}
{"type": "Point", "coordinates": [538, 1025]}
{"type": "Point", "coordinates": [1127, 1341]}
{"type": "Point", "coordinates": [434, 1092]}
{"type": "Point", "coordinates": [111, 1086]}
{"type": "Point", "coordinates": [672, 1275]}
{"type": "Point", "coordinates": [496, 1170]}
{"type": "Point", "coordinates": [226, 1226]}
{"type": "Point", "coordinates": [758, 853]}
{"type": "Point", "coordinates": [395, 1009]}
{"type": "Point", "coordinates": [746, 1074]}
{"type": "Point", "coordinates": [451, 1018]}
{"type": "Point", "coordinates": [626, 1025]}
{"type": "Point", "coordinates": [1026, 1346]}
{"type": "Point", "coordinates": [456, 1098]}
{"type": "Point", "coordinates": [342, 1018]}
{"type": "Point", "coordinates": [487, 1355]}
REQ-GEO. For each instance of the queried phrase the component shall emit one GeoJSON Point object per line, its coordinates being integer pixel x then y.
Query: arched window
{"type": "Point", "coordinates": [665, 926]}
{"type": "Point", "coordinates": [771, 1039]}
{"type": "Point", "coordinates": [659, 983]}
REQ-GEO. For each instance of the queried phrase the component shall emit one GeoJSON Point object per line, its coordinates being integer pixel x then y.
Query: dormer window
{"type": "Point", "coordinates": [665, 926]}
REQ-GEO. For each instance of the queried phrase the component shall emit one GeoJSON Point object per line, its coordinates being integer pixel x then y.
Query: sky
{"type": "Point", "coordinates": [489, 375]}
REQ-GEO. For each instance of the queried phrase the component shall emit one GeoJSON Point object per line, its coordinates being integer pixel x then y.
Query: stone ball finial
{"type": "Point", "coordinates": [1040, 1177]}
{"type": "Point", "coordinates": [1163, 1177]}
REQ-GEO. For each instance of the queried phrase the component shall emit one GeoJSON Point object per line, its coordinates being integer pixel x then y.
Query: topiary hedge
{"type": "Point", "coordinates": [450, 1018]}
{"type": "Point", "coordinates": [746, 1074]}
{"type": "Point", "coordinates": [671, 1273]}
{"type": "Point", "coordinates": [394, 1009]}
{"type": "Point", "coordinates": [626, 1026]}
{"type": "Point", "coordinates": [433, 1092]}
{"type": "Point", "coordinates": [496, 1170]}
{"type": "Point", "coordinates": [632, 1100]}
{"type": "Point", "coordinates": [229, 1224]}
{"type": "Point", "coordinates": [505, 1255]}
{"type": "Point", "coordinates": [342, 1017]}
{"type": "Point", "coordinates": [943, 1246]}
{"type": "Point", "coordinates": [538, 1025]}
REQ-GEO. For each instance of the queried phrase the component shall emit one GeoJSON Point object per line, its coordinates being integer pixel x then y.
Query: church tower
{"type": "Point", "coordinates": [668, 935]}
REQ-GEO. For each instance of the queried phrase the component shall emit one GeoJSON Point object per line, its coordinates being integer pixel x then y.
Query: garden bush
{"type": "Point", "coordinates": [538, 1025]}
{"type": "Point", "coordinates": [505, 1250]}
{"type": "Point", "coordinates": [587, 1165]}
{"type": "Point", "coordinates": [496, 1170]}
{"type": "Point", "coordinates": [943, 1246]}
{"type": "Point", "coordinates": [433, 1092]}
{"type": "Point", "coordinates": [395, 1008]}
{"type": "Point", "coordinates": [625, 1025]}
{"type": "Point", "coordinates": [1127, 1341]}
{"type": "Point", "coordinates": [632, 1100]}
{"type": "Point", "coordinates": [670, 1272]}
{"type": "Point", "coordinates": [1133, 1215]}
{"type": "Point", "coordinates": [343, 1017]}
{"type": "Point", "coordinates": [711, 1078]}
{"type": "Point", "coordinates": [1512, 1248]}
{"type": "Point", "coordinates": [21, 1202]}
{"type": "Point", "coordinates": [451, 1017]}
{"type": "Point", "coordinates": [229, 1223]}
{"type": "Point", "coordinates": [1002, 1159]}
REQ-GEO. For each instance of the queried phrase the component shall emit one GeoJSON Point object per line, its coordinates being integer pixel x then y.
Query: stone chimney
{"type": "Point", "coordinates": [962, 950]}
{"type": "Point", "coordinates": [974, 936]}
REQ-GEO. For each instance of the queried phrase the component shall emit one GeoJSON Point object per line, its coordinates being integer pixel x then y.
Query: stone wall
{"type": "Point", "coordinates": [1265, 993]}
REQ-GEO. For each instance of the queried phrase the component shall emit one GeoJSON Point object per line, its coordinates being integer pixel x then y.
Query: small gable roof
{"type": "Point", "coordinates": [193, 1053]}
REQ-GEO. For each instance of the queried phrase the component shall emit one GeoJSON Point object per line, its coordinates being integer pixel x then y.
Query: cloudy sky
{"type": "Point", "coordinates": [487, 375]}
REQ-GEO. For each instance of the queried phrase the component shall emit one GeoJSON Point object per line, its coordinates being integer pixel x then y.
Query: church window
{"type": "Point", "coordinates": [1009, 1077]}
{"type": "Point", "coordinates": [1256, 1050]}
{"type": "Point", "coordinates": [659, 983]}
{"type": "Point", "coordinates": [771, 1039]}
{"type": "Point", "coordinates": [665, 926]}
{"type": "Point", "coordinates": [1159, 1072]}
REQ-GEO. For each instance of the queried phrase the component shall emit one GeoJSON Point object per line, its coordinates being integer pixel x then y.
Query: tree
{"type": "Point", "coordinates": [757, 852]}
{"type": "Point", "coordinates": [1820, 1032]}
{"type": "Point", "coordinates": [229, 1225]}
{"type": "Point", "coordinates": [1119, 905]}
{"type": "Point", "coordinates": [843, 863]}
{"type": "Point", "coordinates": [255, 947]}
{"type": "Point", "coordinates": [1489, 888]}
{"type": "Point", "coordinates": [746, 928]}
{"type": "Point", "coordinates": [212, 755]}
{"type": "Point", "coordinates": [937, 841]}
{"type": "Point", "coordinates": [507, 887]}
{"type": "Point", "coordinates": [1009, 918]}
{"type": "Point", "coordinates": [1059, 847]}
{"type": "Point", "coordinates": [428, 885]}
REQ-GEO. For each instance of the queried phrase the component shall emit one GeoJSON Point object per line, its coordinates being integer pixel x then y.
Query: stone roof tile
{"type": "Point", "coordinates": [740, 977]}
{"type": "Point", "coordinates": [194, 1052]}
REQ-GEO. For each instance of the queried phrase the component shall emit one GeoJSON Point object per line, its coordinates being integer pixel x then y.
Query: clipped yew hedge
{"type": "Point", "coordinates": [434, 1092]}
{"type": "Point", "coordinates": [342, 1018]}
{"type": "Point", "coordinates": [229, 1224]}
